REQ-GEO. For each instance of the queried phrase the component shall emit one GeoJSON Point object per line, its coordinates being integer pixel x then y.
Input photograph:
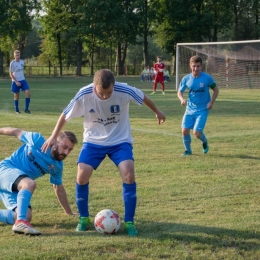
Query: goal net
{"type": "Point", "coordinates": [231, 64]}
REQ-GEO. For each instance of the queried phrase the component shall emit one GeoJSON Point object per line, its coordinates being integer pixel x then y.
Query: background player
{"type": "Point", "coordinates": [159, 77]}
{"type": "Point", "coordinates": [198, 105]}
{"type": "Point", "coordinates": [19, 82]}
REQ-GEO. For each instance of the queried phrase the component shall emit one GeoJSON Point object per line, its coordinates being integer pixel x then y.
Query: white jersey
{"type": "Point", "coordinates": [106, 122]}
{"type": "Point", "coordinates": [17, 67]}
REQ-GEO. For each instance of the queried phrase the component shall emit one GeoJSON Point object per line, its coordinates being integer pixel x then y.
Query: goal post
{"type": "Point", "coordinates": [234, 64]}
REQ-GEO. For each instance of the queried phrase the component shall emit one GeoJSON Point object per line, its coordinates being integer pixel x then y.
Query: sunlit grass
{"type": "Point", "coordinates": [200, 207]}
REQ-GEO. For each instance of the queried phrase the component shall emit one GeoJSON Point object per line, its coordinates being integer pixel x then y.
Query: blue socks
{"type": "Point", "coordinates": [203, 138]}
{"type": "Point", "coordinates": [129, 197]}
{"type": "Point", "coordinates": [27, 102]}
{"type": "Point", "coordinates": [82, 192]}
{"type": "Point", "coordinates": [23, 201]}
{"type": "Point", "coordinates": [16, 102]}
{"type": "Point", "coordinates": [187, 142]}
{"type": "Point", "coordinates": [7, 216]}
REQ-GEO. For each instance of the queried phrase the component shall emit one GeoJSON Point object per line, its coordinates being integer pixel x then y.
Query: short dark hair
{"type": "Point", "coordinates": [104, 78]}
{"type": "Point", "coordinates": [196, 59]}
{"type": "Point", "coordinates": [68, 134]}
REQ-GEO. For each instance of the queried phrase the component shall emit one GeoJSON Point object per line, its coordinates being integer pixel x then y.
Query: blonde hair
{"type": "Point", "coordinates": [195, 59]}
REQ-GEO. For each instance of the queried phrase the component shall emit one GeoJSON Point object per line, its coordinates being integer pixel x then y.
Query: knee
{"type": "Point", "coordinates": [197, 134]}
{"type": "Point", "coordinates": [129, 178]}
{"type": "Point", "coordinates": [28, 184]}
{"type": "Point", "coordinates": [185, 131]}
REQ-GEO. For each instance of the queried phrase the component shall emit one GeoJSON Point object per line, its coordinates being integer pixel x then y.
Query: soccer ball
{"type": "Point", "coordinates": [107, 221]}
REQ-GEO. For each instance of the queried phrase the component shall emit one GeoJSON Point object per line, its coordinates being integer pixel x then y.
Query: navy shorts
{"type": "Point", "coordinates": [24, 86]}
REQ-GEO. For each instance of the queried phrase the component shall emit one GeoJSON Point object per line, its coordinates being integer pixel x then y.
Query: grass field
{"type": "Point", "coordinates": [200, 207]}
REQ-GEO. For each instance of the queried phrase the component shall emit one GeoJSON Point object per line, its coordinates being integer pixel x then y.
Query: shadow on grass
{"type": "Point", "coordinates": [241, 156]}
{"type": "Point", "coordinates": [178, 233]}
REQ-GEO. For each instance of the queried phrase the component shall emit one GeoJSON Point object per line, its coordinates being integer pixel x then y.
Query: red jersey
{"type": "Point", "coordinates": [159, 67]}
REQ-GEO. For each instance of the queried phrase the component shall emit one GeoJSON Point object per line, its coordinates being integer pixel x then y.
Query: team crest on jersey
{"type": "Point", "coordinates": [115, 109]}
{"type": "Point", "coordinates": [201, 85]}
{"type": "Point", "coordinates": [51, 167]}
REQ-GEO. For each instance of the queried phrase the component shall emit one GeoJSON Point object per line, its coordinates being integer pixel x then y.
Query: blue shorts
{"type": "Point", "coordinates": [195, 121]}
{"type": "Point", "coordinates": [16, 89]}
{"type": "Point", "coordinates": [93, 155]}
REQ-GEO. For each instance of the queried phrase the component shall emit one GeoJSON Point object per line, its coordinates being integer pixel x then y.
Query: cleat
{"type": "Point", "coordinates": [205, 147]}
{"type": "Point", "coordinates": [17, 112]}
{"type": "Point", "coordinates": [163, 93]}
{"type": "Point", "coordinates": [27, 111]}
{"type": "Point", "coordinates": [24, 227]}
{"type": "Point", "coordinates": [153, 92]}
{"type": "Point", "coordinates": [83, 224]}
{"type": "Point", "coordinates": [130, 229]}
{"type": "Point", "coordinates": [186, 153]}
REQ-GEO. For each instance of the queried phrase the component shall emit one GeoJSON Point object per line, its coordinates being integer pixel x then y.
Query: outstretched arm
{"type": "Point", "coordinates": [159, 114]}
{"type": "Point", "coordinates": [11, 131]}
{"type": "Point", "coordinates": [52, 140]}
{"type": "Point", "coordinates": [63, 199]}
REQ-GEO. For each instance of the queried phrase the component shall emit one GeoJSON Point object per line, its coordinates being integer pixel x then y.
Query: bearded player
{"type": "Point", "coordinates": [159, 77]}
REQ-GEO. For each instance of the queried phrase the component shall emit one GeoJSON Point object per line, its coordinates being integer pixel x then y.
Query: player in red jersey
{"type": "Point", "coordinates": [159, 77]}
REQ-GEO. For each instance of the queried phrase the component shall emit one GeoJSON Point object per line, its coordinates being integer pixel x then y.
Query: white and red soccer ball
{"type": "Point", "coordinates": [107, 221]}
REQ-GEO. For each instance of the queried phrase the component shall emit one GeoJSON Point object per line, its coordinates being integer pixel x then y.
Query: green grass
{"type": "Point", "coordinates": [199, 207]}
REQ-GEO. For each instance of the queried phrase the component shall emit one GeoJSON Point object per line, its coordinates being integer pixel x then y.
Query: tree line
{"type": "Point", "coordinates": [108, 32]}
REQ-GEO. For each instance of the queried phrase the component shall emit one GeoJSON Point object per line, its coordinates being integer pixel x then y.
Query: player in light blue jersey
{"type": "Point", "coordinates": [27, 163]}
{"type": "Point", "coordinates": [104, 106]}
{"type": "Point", "coordinates": [198, 105]}
{"type": "Point", "coordinates": [19, 83]}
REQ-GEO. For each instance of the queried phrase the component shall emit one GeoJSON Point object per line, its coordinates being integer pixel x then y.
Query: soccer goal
{"type": "Point", "coordinates": [232, 64]}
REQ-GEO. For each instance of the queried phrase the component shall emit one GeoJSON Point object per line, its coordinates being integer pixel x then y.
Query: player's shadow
{"type": "Point", "coordinates": [187, 233]}
{"type": "Point", "coordinates": [241, 156]}
{"type": "Point", "coordinates": [177, 233]}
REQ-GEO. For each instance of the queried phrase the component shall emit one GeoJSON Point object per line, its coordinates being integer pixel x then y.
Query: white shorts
{"type": "Point", "coordinates": [8, 175]}
{"type": "Point", "coordinates": [9, 199]}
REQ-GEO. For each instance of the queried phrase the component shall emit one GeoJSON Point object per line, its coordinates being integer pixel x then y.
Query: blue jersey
{"type": "Point", "coordinates": [32, 161]}
{"type": "Point", "coordinates": [199, 95]}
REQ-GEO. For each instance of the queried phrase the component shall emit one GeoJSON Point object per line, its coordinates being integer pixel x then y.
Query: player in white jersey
{"type": "Point", "coordinates": [27, 163]}
{"type": "Point", "coordinates": [19, 83]}
{"type": "Point", "coordinates": [198, 105]}
{"type": "Point", "coordinates": [104, 105]}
